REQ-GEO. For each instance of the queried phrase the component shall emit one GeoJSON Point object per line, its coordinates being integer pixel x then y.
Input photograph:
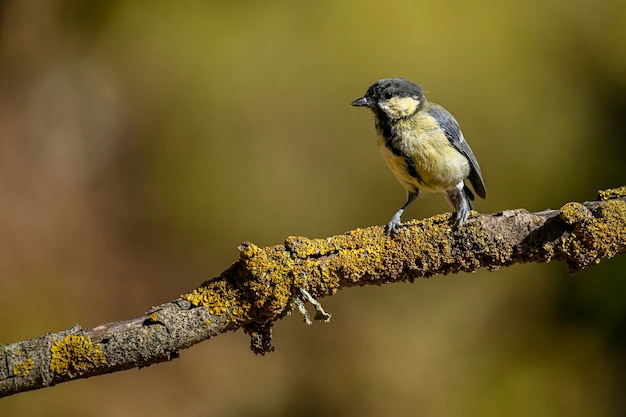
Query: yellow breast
{"type": "Point", "coordinates": [439, 165]}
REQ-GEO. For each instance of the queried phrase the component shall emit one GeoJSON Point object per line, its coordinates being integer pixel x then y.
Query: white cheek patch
{"type": "Point", "coordinates": [399, 106]}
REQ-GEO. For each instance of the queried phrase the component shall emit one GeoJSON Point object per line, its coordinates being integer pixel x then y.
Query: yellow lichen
{"type": "Point", "coordinates": [269, 275]}
{"type": "Point", "coordinates": [23, 368]}
{"type": "Point", "coordinates": [605, 195]}
{"type": "Point", "coordinates": [363, 254]}
{"type": "Point", "coordinates": [75, 355]}
{"type": "Point", "coordinates": [219, 297]}
{"type": "Point", "coordinates": [212, 296]}
{"type": "Point", "coordinates": [574, 212]}
{"type": "Point", "coordinates": [154, 317]}
{"type": "Point", "coordinates": [594, 236]}
{"type": "Point", "coordinates": [264, 282]}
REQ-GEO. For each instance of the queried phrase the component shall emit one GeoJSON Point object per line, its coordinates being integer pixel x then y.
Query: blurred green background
{"type": "Point", "coordinates": [141, 142]}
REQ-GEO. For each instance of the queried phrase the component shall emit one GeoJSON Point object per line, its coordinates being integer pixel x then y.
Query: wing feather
{"type": "Point", "coordinates": [451, 128]}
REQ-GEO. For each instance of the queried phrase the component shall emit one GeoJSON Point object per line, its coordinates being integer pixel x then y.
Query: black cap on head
{"type": "Point", "coordinates": [387, 88]}
{"type": "Point", "coordinates": [394, 87]}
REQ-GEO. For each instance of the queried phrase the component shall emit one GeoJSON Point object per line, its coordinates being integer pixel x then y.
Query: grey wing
{"type": "Point", "coordinates": [451, 128]}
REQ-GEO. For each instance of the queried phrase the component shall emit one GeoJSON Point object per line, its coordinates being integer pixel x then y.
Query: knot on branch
{"type": "Point", "coordinates": [262, 287]}
{"type": "Point", "coordinates": [260, 337]}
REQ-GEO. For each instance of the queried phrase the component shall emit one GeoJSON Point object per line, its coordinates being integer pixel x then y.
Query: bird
{"type": "Point", "coordinates": [422, 144]}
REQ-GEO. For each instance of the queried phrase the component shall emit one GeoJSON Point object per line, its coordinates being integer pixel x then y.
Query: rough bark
{"type": "Point", "coordinates": [266, 284]}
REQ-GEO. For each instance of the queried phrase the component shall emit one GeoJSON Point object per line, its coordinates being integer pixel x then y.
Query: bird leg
{"type": "Point", "coordinates": [395, 223]}
{"type": "Point", "coordinates": [459, 202]}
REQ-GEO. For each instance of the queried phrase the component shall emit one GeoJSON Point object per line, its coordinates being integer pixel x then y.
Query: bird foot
{"type": "Point", "coordinates": [394, 224]}
{"type": "Point", "coordinates": [462, 216]}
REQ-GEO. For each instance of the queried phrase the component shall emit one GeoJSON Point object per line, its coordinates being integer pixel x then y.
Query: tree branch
{"type": "Point", "coordinates": [266, 284]}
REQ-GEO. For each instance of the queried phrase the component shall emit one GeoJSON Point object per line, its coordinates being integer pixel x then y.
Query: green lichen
{"type": "Point", "coordinates": [75, 356]}
{"type": "Point", "coordinates": [23, 368]}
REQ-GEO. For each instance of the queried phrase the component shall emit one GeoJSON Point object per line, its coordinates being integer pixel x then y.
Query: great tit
{"type": "Point", "coordinates": [423, 145]}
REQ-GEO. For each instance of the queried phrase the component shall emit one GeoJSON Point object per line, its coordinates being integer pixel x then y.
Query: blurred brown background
{"type": "Point", "coordinates": [141, 142]}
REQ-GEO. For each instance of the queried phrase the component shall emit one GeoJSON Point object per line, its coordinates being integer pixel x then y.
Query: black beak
{"type": "Point", "coordinates": [361, 102]}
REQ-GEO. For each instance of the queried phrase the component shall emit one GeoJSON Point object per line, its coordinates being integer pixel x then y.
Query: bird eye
{"type": "Point", "coordinates": [387, 95]}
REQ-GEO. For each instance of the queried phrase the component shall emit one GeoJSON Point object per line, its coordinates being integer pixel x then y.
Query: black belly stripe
{"type": "Point", "coordinates": [397, 152]}
{"type": "Point", "coordinates": [390, 136]}
{"type": "Point", "coordinates": [410, 167]}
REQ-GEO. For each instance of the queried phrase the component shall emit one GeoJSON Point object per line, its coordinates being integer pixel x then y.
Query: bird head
{"type": "Point", "coordinates": [393, 98]}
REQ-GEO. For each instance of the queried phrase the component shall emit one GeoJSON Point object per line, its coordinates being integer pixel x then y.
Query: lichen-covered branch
{"type": "Point", "coordinates": [266, 284]}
